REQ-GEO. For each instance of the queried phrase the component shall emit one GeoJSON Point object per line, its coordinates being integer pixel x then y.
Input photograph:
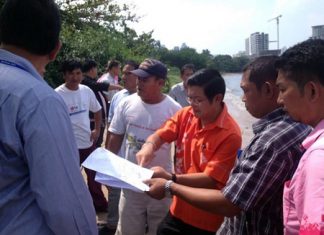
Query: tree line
{"type": "Point", "coordinates": [100, 30]}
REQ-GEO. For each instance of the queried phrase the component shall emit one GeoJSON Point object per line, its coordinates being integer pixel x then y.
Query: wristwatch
{"type": "Point", "coordinates": [167, 188]}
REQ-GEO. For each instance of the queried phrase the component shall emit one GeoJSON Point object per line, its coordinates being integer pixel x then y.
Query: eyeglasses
{"type": "Point", "coordinates": [195, 101]}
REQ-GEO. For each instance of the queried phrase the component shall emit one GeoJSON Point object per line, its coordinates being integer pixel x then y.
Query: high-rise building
{"type": "Point", "coordinates": [247, 46]}
{"type": "Point", "coordinates": [259, 42]}
{"type": "Point", "coordinates": [318, 32]}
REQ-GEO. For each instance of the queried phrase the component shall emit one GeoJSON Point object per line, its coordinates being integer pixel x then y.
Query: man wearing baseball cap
{"type": "Point", "coordinates": [137, 117]}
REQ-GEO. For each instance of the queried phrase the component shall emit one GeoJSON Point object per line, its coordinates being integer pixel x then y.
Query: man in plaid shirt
{"type": "Point", "coordinates": [252, 197]}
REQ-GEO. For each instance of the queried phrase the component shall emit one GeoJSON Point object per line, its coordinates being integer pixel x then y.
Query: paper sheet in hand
{"type": "Point", "coordinates": [117, 172]}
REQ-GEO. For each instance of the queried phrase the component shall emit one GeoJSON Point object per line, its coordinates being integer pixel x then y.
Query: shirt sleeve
{"type": "Point", "coordinates": [94, 104]}
{"type": "Point", "coordinates": [118, 122]}
{"type": "Point", "coordinates": [112, 107]}
{"type": "Point", "coordinates": [170, 129]}
{"type": "Point", "coordinates": [223, 159]}
{"type": "Point", "coordinates": [260, 172]}
{"type": "Point", "coordinates": [310, 194]}
{"type": "Point", "coordinates": [55, 177]}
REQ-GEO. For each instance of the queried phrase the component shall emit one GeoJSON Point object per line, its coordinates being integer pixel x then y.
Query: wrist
{"type": "Point", "coordinates": [174, 178]}
{"type": "Point", "coordinates": [150, 143]}
{"type": "Point", "coordinates": [167, 188]}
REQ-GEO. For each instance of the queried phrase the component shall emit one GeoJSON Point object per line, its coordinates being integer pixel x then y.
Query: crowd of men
{"type": "Point", "coordinates": [275, 185]}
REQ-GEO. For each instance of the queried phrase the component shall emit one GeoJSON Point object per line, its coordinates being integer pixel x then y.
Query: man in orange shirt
{"type": "Point", "coordinates": [207, 140]}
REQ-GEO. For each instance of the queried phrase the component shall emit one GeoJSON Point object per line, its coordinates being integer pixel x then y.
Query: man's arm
{"type": "Point", "coordinates": [146, 154]}
{"type": "Point", "coordinates": [197, 180]}
{"type": "Point", "coordinates": [100, 86]}
{"type": "Point", "coordinates": [211, 200]}
{"type": "Point", "coordinates": [114, 143]}
{"type": "Point", "coordinates": [96, 131]}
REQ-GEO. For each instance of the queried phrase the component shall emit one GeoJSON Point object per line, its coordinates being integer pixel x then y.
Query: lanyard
{"type": "Point", "coordinates": [12, 64]}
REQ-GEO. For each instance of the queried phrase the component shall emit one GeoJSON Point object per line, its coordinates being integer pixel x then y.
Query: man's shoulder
{"type": "Point", "coordinates": [170, 101]}
{"type": "Point", "coordinates": [284, 132]}
{"type": "Point", "coordinates": [177, 86]}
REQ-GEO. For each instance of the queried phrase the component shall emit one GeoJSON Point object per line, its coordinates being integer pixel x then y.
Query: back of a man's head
{"type": "Point", "coordinates": [33, 25]}
{"type": "Point", "coordinates": [88, 65]}
{"type": "Point", "coordinates": [262, 69]}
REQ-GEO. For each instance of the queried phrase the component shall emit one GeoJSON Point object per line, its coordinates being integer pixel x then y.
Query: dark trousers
{"type": "Point", "coordinates": [170, 225]}
{"type": "Point", "coordinates": [98, 198]}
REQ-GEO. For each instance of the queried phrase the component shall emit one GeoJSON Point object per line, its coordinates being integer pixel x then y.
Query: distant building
{"type": "Point", "coordinates": [318, 32]}
{"type": "Point", "coordinates": [247, 46]}
{"type": "Point", "coordinates": [259, 42]}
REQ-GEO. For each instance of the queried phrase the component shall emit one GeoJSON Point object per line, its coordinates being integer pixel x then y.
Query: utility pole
{"type": "Point", "coordinates": [277, 19]}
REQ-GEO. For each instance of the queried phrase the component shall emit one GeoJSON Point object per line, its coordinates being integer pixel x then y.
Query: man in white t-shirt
{"type": "Point", "coordinates": [137, 117]}
{"type": "Point", "coordinates": [79, 100]}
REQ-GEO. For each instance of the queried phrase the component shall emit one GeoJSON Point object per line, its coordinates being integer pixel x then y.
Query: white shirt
{"type": "Point", "coordinates": [137, 120]}
{"type": "Point", "coordinates": [79, 103]}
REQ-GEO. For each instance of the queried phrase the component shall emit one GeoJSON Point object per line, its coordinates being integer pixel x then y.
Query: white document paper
{"type": "Point", "coordinates": [116, 171]}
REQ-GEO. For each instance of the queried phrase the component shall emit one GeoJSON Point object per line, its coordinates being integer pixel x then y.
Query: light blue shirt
{"type": "Point", "coordinates": [179, 94]}
{"type": "Point", "coordinates": [115, 101]}
{"type": "Point", "coordinates": [41, 187]}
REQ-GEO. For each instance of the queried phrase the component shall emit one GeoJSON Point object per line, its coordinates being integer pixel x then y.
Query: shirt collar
{"type": "Point", "coordinates": [274, 116]}
{"type": "Point", "coordinates": [314, 135]}
{"type": "Point", "coordinates": [7, 55]}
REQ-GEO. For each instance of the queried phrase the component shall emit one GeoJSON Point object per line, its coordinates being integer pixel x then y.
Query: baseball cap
{"type": "Point", "coordinates": [151, 67]}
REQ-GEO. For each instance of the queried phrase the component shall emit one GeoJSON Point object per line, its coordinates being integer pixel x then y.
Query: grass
{"type": "Point", "coordinates": [173, 78]}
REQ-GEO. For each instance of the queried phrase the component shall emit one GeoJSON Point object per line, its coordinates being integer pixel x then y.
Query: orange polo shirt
{"type": "Point", "coordinates": [211, 150]}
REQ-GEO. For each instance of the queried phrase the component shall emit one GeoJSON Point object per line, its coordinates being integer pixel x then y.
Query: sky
{"type": "Point", "coordinates": [222, 26]}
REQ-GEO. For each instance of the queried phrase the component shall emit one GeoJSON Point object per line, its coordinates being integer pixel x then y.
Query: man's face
{"type": "Point", "coordinates": [115, 70]}
{"type": "Point", "coordinates": [148, 88]}
{"type": "Point", "coordinates": [129, 78]}
{"type": "Point", "coordinates": [186, 74]}
{"type": "Point", "coordinates": [201, 106]}
{"type": "Point", "coordinates": [73, 78]}
{"type": "Point", "coordinates": [252, 97]}
{"type": "Point", "coordinates": [291, 98]}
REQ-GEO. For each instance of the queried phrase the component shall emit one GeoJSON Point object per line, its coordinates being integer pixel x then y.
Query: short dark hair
{"type": "Point", "coordinates": [262, 69]}
{"type": "Point", "coordinates": [132, 63]}
{"type": "Point", "coordinates": [210, 80]}
{"type": "Point", "coordinates": [33, 25]}
{"type": "Point", "coordinates": [304, 62]}
{"type": "Point", "coordinates": [112, 63]}
{"type": "Point", "coordinates": [88, 65]}
{"type": "Point", "coordinates": [70, 65]}
{"type": "Point", "coordinates": [187, 66]}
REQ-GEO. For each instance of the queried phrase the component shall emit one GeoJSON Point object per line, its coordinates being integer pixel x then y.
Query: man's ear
{"type": "Point", "coordinates": [52, 55]}
{"type": "Point", "coordinates": [218, 98]}
{"type": "Point", "coordinates": [162, 82]}
{"type": "Point", "coordinates": [268, 89]}
{"type": "Point", "coordinates": [312, 91]}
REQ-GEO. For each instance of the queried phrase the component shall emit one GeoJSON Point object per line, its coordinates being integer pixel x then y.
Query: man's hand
{"type": "Point", "coordinates": [157, 188]}
{"type": "Point", "coordinates": [94, 136]}
{"type": "Point", "coordinates": [145, 155]}
{"type": "Point", "coordinates": [159, 172]}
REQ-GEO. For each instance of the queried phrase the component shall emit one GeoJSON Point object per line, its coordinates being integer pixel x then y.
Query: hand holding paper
{"type": "Point", "coordinates": [115, 171]}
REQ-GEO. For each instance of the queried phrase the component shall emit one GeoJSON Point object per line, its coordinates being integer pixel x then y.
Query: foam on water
{"type": "Point", "coordinates": [233, 90]}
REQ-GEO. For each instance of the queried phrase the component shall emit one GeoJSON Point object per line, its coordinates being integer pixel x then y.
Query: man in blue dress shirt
{"type": "Point", "coordinates": [41, 187]}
